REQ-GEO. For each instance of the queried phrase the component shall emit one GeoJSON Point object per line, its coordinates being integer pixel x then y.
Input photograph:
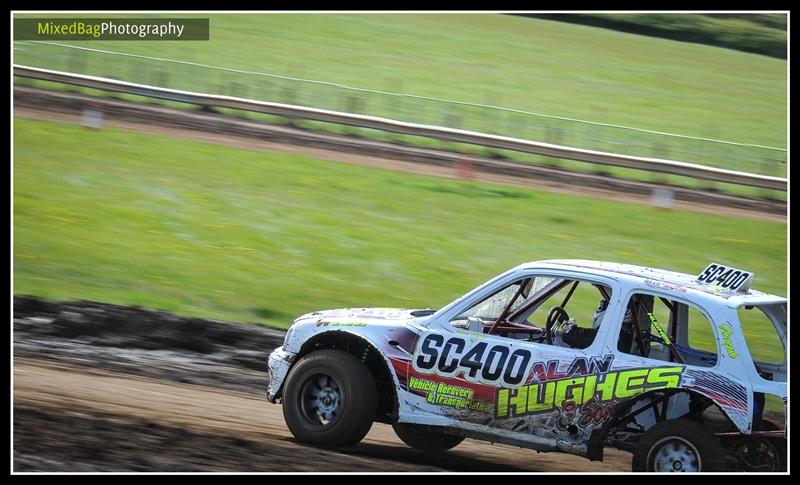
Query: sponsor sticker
{"type": "Point", "coordinates": [726, 331]}
{"type": "Point", "coordinates": [595, 389]}
{"type": "Point", "coordinates": [447, 395]}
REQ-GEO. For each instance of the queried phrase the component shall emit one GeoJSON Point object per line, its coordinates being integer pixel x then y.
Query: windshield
{"type": "Point", "coordinates": [492, 307]}
{"type": "Point", "coordinates": [512, 296]}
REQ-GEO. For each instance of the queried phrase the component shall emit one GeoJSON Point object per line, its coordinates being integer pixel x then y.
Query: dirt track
{"type": "Point", "coordinates": [107, 388]}
{"type": "Point", "coordinates": [103, 421]}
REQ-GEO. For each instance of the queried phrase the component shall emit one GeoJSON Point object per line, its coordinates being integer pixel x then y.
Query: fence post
{"type": "Point", "coordinates": [553, 136]}
{"type": "Point", "coordinates": [464, 169]}
{"type": "Point", "coordinates": [132, 70]}
{"type": "Point", "coordinates": [487, 117]}
{"type": "Point", "coordinates": [288, 94]}
{"type": "Point", "coordinates": [92, 117]}
{"type": "Point", "coordinates": [161, 78]}
{"type": "Point", "coordinates": [353, 104]}
{"type": "Point", "coordinates": [394, 105]}
{"type": "Point", "coordinates": [112, 94]}
{"type": "Point", "coordinates": [177, 76]}
{"type": "Point", "coordinates": [510, 125]}
{"type": "Point", "coordinates": [662, 198]}
{"type": "Point", "coordinates": [660, 150]}
{"type": "Point", "coordinates": [710, 133]}
{"type": "Point", "coordinates": [451, 120]}
{"type": "Point", "coordinates": [319, 99]}
{"type": "Point", "coordinates": [237, 89]}
{"type": "Point", "coordinates": [269, 94]}
{"type": "Point", "coordinates": [769, 166]}
{"type": "Point", "coordinates": [75, 63]}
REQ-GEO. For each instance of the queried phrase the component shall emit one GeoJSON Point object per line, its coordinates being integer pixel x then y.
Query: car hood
{"type": "Point", "coordinates": [364, 315]}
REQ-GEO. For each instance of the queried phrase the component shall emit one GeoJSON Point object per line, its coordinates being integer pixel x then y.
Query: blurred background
{"type": "Point", "coordinates": [141, 197]}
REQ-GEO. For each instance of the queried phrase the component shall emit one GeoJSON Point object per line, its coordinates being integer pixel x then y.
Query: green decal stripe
{"type": "Point", "coordinates": [660, 330]}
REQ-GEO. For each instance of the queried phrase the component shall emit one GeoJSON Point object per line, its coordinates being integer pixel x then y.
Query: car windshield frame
{"type": "Point", "coordinates": [445, 315]}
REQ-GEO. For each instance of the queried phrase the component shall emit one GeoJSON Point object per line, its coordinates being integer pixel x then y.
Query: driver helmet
{"type": "Point", "coordinates": [597, 316]}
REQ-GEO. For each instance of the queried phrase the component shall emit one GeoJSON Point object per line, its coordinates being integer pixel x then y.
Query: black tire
{"type": "Point", "coordinates": [350, 392]}
{"type": "Point", "coordinates": [425, 438]}
{"type": "Point", "coordinates": [702, 450]}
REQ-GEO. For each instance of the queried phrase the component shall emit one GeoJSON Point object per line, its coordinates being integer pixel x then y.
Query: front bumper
{"type": "Point", "coordinates": [278, 366]}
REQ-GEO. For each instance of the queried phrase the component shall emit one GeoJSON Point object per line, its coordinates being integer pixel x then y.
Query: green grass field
{"type": "Point", "coordinates": [764, 33]}
{"type": "Point", "coordinates": [530, 64]}
{"type": "Point", "coordinates": [219, 232]}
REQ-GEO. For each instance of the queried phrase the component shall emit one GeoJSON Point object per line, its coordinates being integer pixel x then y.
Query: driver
{"type": "Point", "coordinates": [577, 337]}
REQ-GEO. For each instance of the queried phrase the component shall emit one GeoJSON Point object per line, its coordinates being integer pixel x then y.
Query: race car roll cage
{"type": "Point", "coordinates": [557, 312]}
{"type": "Point", "coordinates": [622, 429]}
{"type": "Point", "coordinates": [624, 419]}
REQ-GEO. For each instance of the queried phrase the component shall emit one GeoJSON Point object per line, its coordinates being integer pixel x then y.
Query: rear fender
{"type": "Point", "coordinates": [645, 410]}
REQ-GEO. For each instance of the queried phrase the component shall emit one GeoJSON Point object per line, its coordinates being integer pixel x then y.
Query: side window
{"type": "Point", "coordinates": [663, 329]}
{"type": "Point", "coordinates": [701, 337]}
{"type": "Point", "coordinates": [761, 335]}
{"type": "Point", "coordinates": [544, 309]}
{"type": "Point", "coordinates": [571, 315]}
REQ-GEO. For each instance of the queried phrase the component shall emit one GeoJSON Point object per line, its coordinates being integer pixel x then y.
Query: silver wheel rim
{"type": "Point", "coordinates": [320, 399]}
{"type": "Point", "coordinates": [675, 454]}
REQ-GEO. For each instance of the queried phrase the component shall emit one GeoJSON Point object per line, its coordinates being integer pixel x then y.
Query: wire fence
{"type": "Point", "coordinates": [392, 103]}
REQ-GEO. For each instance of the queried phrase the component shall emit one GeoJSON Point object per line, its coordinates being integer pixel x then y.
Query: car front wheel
{"type": "Point", "coordinates": [329, 399]}
{"type": "Point", "coordinates": [680, 445]}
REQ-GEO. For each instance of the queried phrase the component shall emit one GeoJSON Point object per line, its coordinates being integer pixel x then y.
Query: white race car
{"type": "Point", "coordinates": [562, 355]}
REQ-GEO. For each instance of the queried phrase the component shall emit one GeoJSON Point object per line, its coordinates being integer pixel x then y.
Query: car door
{"type": "Point", "coordinates": [502, 381]}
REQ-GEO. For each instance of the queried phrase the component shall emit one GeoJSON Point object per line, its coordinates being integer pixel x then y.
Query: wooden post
{"type": "Point", "coordinates": [464, 169]}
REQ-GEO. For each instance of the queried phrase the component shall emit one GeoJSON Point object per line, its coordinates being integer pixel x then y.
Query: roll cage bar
{"type": "Point", "coordinates": [639, 335]}
{"type": "Point", "coordinates": [504, 315]}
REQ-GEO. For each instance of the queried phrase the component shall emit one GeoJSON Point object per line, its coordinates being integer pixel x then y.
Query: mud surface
{"type": "Point", "coordinates": [102, 387]}
{"type": "Point", "coordinates": [145, 342]}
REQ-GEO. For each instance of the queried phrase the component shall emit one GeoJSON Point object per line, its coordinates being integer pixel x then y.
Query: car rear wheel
{"type": "Point", "coordinates": [425, 438]}
{"type": "Point", "coordinates": [680, 445]}
{"type": "Point", "coordinates": [758, 454]}
{"type": "Point", "coordinates": [778, 444]}
{"type": "Point", "coordinates": [330, 399]}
